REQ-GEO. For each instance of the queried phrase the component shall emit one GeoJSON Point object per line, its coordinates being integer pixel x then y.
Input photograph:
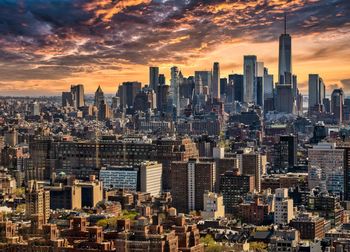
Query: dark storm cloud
{"type": "Point", "coordinates": [55, 39]}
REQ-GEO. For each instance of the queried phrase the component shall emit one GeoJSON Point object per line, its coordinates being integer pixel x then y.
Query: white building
{"type": "Point", "coordinates": [283, 207]}
{"type": "Point", "coordinates": [151, 178]}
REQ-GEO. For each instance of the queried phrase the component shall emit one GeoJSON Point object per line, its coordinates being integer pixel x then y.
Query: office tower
{"type": "Point", "coordinates": [330, 161]}
{"type": "Point", "coordinates": [213, 206]}
{"type": "Point", "coordinates": [320, 132]}
{"type": "Point", "coordinates": [327, 105]}
{"type": "Point", "coordinates": [190, 179]}
{"type": "Point", "coordinates": [346, 109]}
{"type": "Point", "coordinates": [233, 187]}
{"type": "Point", "coordinates": [153, 77]}
{"type": "Point", "coordinates": [99, 97]}
{"type": "Point", "coordinates": [216, 81]}
{"type": "Point", "coordinates": [268, 84]}
{"type": "Point", "coordinates": [316, 91]}
{"type": "Point", "coordinates": [295, 85]}
{"type": "Point", "coordinates": [284, 100]}
{"type": "Point", "coordinates": [250, 164]}
{"type": "Point", "coordinates": [162, 97]}
{"type": "Point", "coordinates": [249, 79]}
{"type": "Point", "coordinates": [175, 89]}
{"type": "Point", "coordinates": [127, 93]}
{"type": "Point", "coordinates": [238, 88]}
{"type": "Point", "coordinates": [285, 152]}
{"type": "Point", "coordinates": [223, 85]}
{"type": "Point", "coordinates": [260, 91]}
{"type": "Point", "coordinates": [78, 96]}
{"type": "Point", "coordinates": [161, 79]}
{"type": "Point", "coordinates": [206, 81]}
{"type": "Point", "coordinates": [285, 57]}
{"type": "Point", "coordinates": [67, 99]}
{"type": "Point", "coordinates": [35, 109]}
{"type": "Point", "coordinates": [337, 103]}
{"type": "Point", "coordinates": [260, 83]}
{"type": "Point", "coordinates": [346, 147]}
{"type": "Point", "coordinates": [151, 178]}
{"type": "Point", "coordinates": [37, 200]}
{"type": "Point", "coordinates": [283, 207]}
{"type": "Point", "coordinates": [104, 111]}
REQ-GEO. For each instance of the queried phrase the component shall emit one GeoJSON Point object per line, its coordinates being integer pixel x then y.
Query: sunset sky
{"type": "Point", "coordinates": [47, 45]}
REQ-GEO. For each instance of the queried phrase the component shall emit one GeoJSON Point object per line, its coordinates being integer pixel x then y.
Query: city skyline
{"type": "Point", "coordinates": [49, 45]}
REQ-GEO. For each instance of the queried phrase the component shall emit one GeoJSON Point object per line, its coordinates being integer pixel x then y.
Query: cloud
{"type": "Point", "coordinates": [53, 40]}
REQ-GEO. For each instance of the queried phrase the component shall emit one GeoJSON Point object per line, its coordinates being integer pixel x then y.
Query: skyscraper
{"type": "Point", "coordinates": [153, 77]}
{"type": "Point", "coordinates": [337, 103]}
{"type": "Point", "coordinates": [260, 83]}
{"type": "Point", "coordinates": [285, 101]}
{"type": "Point", "coordinates": [316, 91]}
{"type": "Point", "coordinates": [238, 89]}
{"type": "Point", "coordinates": [285, 56]}
{"type": "Point", "coordinates": [268, 84]}
{"type": "Point", "coordinates": [77, 92]}
{"type": "Point", "coordinates": [175, 88]}
{"type": "Point", "coordinates": [127, 93]}
{"type": "Point", "coordinates": [99, 97]}
{"type": "Point", "coordinates": [206, 78]}
{"type": "Point", "coordinates": [249, 79]}
{"type": "Point", "coordinates": [216, 80]}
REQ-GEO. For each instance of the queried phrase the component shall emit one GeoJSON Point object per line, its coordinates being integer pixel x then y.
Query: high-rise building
{"type": "Point", "coordinates": [153, 77]}
{"type": "Point", "coordinates": [37, 200]}
{"type": "Point", "coordinates": [216, 81]}
{"type": "Point", "coordinates": [206, 79]}
{"type": "Point", "coordinates": [99, 97]}
{"type": "Point", "coordinates": [233, 187]}
{"type": "Point", "coordinates": [190, 180]}
{"type": "Point", "coordinates": [175, 89]}
{"type": "Point", "coordinates": [104, 111]}
{"type": "Point", "coordinates": [151, 177]}
{"type": "Point", "coordinates": [78, 96]}
{"type": "Point", "coordinates": [283, 207]}
{"type": "Point", "coordinates": [316, 91]}
{"type": "Point", "coordinates": [285, 57]}
{"type": "Point", "coordinates": [249, 79]}
{"type": "Point", "coordinates": [223, 85]}
{"type": "Point", "coordinates": [260, 85]}
{"type": "Point", "coordinates": [127, 93]}
{"type": "Point", "coordinates": [35, 109]}
{"type": "Point", "coordinates": [330, 161]}
{"type": "Point", "coordinates": [236, 80]}
{"type": "Point", "coordinates": [161, 79]}
{"type": "Point", "coordinates": [268, 84]}
{"type": "Point", "coordinates": [250, 164]}
{"type": "Point", "coordinates": [67, 99]}
{"type": "Point", "coordinates": [285, 100]}
{"type": "Point", "coordinates": [337, 103]}
{"type": "Point", "coordinates": [285, 152]}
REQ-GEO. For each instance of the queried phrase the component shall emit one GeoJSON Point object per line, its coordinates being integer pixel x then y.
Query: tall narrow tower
{"type": "Point", "coordinates": [216, 80]}
{"type": "Point", "coordinates": [285, 56]}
